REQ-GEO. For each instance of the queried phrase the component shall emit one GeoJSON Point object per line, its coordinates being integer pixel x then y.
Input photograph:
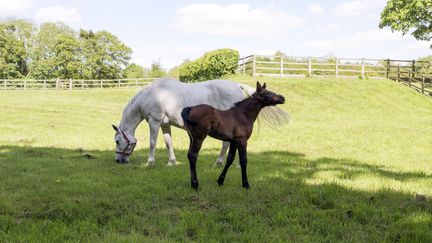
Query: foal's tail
{"type": "Point", "coordinates": [185, 115]}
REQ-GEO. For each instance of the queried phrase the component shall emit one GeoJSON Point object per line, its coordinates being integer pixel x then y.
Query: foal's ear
{"type": "Point", "coordinates": [258, 86]}
{"type": "Point", "coordinates": [264, 86]}
{"type": "Point", "coordinates": [115, 127]}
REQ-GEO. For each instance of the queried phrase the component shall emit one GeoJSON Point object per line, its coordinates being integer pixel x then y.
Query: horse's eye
{"type": "Point", "coordinates": [117, 142]}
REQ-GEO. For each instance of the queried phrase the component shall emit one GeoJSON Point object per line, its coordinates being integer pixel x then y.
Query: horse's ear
{"type": "Point", "coordinates": [264, 86]}
{"type": "Point", "coordinates": [258, 86]}
{"type": "Point", "coordinates": [115, 127]}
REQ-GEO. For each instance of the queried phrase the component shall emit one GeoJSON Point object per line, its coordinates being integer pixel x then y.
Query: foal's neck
{"type": "Point", "coordinates": [250, 108]}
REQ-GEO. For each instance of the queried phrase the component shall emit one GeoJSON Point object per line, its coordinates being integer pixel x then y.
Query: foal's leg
{"type": "Point", "coordinates": [194, 148]}
{"type": "Point", "coordinates": [166, 130]}
{"type": "Point", "coordinates": [243, 162]}
{"type": "Point", "coordinates": [154, 131]}
{"type": "Point", "coordinates": [230, 159]}
{"type": "Point", "coordinates": [225, 146]}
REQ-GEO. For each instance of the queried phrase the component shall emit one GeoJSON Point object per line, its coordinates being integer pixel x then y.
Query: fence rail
{"type": "Point", "coordinates": [72, 84]}
{"type": "Point", "coordinates": [285, 66]}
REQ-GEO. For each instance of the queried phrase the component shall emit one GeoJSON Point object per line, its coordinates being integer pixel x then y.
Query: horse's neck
{"type": "Point", "coordinates": [251, 108]}
{"type": "Point", "coordinates": [131, 118]}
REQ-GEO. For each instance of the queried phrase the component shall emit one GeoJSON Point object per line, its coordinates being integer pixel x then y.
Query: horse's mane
{"type": "Point", "coordinates": [271, 115]}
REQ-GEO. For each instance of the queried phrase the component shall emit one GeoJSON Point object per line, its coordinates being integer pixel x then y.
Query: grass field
{"type": "Point", "coordinates": [355, 164]}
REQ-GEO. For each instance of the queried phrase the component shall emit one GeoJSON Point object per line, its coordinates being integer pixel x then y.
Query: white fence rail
{"type": "Point", "coordinates": [285, 66]}
{"type": "Point", "coordinates": [72, 84]}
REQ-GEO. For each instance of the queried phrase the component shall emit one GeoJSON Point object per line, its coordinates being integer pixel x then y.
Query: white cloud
{"type": "Point", "coordinates": [328, 28]}
{"type": "Point", "coordinates": [316, 9]}
{"type": "Point", "coordinates": [58, 13]}
{"type": "Point", "coordinates": [8, 7]}
{"type": "Point", "coordinates": [239, 20]}
{"type": "Point", "coordinates": [358, 7]}
{"type": "Point", "coordinates": [359, 41]}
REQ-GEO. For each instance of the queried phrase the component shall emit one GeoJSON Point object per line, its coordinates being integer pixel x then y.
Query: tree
{"type": "Point", "coordinates": [12, 53]}
{"type": "Point", "coordinates": [43, 52]}
{"type": "Point", "coordinates": [134, 71]}
{"type": "Point", "coordinates": [156, 70]}
{"type": "Point", "coordinates": [409, 15]}
{"type": "Point", "coordinates": [105, 56]}
{"type": "Point", "coordinates": [67, 59]}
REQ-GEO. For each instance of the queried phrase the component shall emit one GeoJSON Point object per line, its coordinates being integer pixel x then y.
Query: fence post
{"type": "Point", "coordinates": [413, 68]}
{"type": "Point", "coordinates": [310, 66]}
{"type": "Point", "coordinates": [423, 84]}
{"type": "Point", "coordinates": [281, 66]}
{"type": "Point", "coordinates": [254, 65]}
{"type": "Point", "coordinates": [119, 83]}
{"type": "Point", "coordinates": [44, 84]}
{"type": "Point", "coordinates": [70, 84]}
{"type": "Point", "coordinates": [388, 68]}
{"type": "Point", "coordinates": [5, 84]}
{"type": "Point", "coordinates": [57, 83]}
{"type": "Point", "coordinates": [244, 65]}
{"type": "Point", "coordinates": [337, 67]}
{"type": "Point", "coordinates": [409, 77]}
{"type": "Point", "coordinates": [25, 84]}
{"type": "Point", "coordinates": [136, 82]}
{"type": "Point", "coordinates": [82, 84]}
{"type": "Point", "coordinates": [398, 73]}
{"type": "Point", "coordinates": [101, 83]}
{"type": "Point", "coordinates": [363, 68]}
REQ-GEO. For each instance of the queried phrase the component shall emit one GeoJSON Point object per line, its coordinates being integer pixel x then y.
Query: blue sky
{"type": "Point", "coordinates": [172, 31]}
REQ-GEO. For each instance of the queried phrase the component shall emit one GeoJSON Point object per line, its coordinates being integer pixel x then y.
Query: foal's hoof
{"type": "Point", "coordinates": [220, 182]}
{"type": "Point", "coordinates": [246, 185]}
{"type": "Point", "coordinates": [194, 185]}
{"type": "Point", "coordinates": [149, 164]}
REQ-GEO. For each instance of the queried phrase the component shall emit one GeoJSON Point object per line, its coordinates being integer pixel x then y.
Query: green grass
{"type": "Point", "coordinates": [347, 168]}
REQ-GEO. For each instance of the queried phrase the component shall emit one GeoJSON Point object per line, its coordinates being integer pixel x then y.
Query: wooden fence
{"type": "Point", "coordinates": [72, 84]}
{"type": "Point", "coordinates": [285, 66]}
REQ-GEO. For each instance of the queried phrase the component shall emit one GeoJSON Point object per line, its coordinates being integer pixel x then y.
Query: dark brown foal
{"type": "Point", "coordinates": [234, 125]}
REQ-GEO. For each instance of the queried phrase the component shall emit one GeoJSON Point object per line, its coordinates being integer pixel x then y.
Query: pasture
{"type": "Point", "coordinates": [354, 164]}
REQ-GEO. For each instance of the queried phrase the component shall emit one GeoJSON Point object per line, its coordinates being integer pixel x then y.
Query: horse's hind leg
{"type": "Point", "coordinates": [154, 130]}
{"type": "Point", "coordinates": [230, 159]}
{"type": "Point", "coordinates": [225, 146]}
{"type": "Point", "coordinates": [194, 148]}
{"type": "Point", "coordinates": [166, 130]}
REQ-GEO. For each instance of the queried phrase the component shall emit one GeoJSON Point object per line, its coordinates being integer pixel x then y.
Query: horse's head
{"type": "Point", "coordinates": [125, 144]}
{"type": "Point", "coordinates": [268, 98]}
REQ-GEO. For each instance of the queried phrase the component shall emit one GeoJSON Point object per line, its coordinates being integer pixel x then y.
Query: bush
{"type": "Point", "coordinates": [212, 65]}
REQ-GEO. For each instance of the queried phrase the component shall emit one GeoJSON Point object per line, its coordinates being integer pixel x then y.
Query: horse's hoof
{"type": "Point", "coordinates": [246, 185]}
{"type": "Point", "coordinates": [149, 163]}
{"type": "Point", "coordinates": [171, 163]}
{"type": "Point", "coordinates": [218, 163]}
{"type": "Point", "coordinates": [194, 185]}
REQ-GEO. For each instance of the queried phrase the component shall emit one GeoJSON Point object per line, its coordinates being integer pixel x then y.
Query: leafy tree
{"type": "Point", "coordinates": [156, 70]}
{"type": "Point", "coordinates": [174, 72]}
{"type": "Point", "coordinates": [134, 71]}
{"type": "Point", "coordinates": [67, 59]}
{"type": "Point", "coordinates": [409, 15]}
{"type": "Point", "coordinates": [43, 52]}
{"type": "Point", "coordinates": [105, 56]}
{"type": "Point", "coordinates": [12, 52]}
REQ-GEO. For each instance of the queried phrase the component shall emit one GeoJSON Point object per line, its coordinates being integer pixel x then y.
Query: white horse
{"type": "Point", "coordinates": [161, 103]}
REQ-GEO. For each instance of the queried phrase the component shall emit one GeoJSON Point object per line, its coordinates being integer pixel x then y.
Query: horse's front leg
{"type": "Point", "coordinates": [154, 131]}
{"type": "Point", "coordinates": [166, 130]}
{"type": "Point", "coordinates": [225, 146]}
{"type": "Point", "coordinates": [243, 162]}
{"type": "Point", "coordinates": [230, 159]}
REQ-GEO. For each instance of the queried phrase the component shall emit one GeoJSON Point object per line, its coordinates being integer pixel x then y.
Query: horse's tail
{"type": "Point", "coordinates": [185, 115]}
{"type": "Point", "coordinates": [272, 115]}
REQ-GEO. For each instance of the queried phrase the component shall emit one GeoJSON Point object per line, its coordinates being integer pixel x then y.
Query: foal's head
{"type": "Point", "coordinates": [125, 144]}
{"type": "Point", "coordinates": [267, 97]}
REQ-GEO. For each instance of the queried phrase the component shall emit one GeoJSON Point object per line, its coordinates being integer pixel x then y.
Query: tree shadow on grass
{"type": "Point", "coordinates": [56, 194]}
